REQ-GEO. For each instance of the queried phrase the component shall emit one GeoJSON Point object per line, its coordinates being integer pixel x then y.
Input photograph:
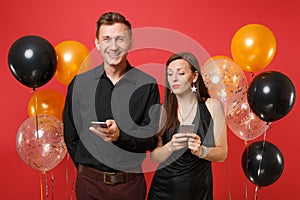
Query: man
{"type": "Point", "coordinates": [109, 158]}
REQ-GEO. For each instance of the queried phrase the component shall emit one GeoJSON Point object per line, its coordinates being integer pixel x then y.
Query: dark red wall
{"type": "Point", "coordinates": [210, 23]}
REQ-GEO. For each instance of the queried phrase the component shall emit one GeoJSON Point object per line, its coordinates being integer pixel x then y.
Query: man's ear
{"type": "Point", "coordinates": [131, 44]}
{"type": "Point", "coordinates": [97, 44]}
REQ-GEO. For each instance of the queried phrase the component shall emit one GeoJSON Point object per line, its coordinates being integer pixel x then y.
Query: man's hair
{"type": "Point", "coordinates": [111, 18]}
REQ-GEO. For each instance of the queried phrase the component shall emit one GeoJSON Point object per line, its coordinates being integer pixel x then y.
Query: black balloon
{"type": "Point", "coordinates": [32, 60]}
{"type": "Point", "coordinates": [262, 163]}
{"type": "Point", "coordinates": [271, 95]}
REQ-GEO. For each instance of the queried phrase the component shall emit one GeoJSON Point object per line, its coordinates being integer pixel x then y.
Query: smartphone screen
{"type": "Point", "coordinates": [96, 124]}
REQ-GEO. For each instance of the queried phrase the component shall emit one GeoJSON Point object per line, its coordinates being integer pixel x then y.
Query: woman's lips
{"type": "Point", "coordinates": [175, 86]}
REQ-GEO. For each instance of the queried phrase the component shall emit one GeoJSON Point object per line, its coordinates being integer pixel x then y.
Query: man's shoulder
{"type": "Point", "coordinates": [142, 76]}
{"type": "Point", "coordinates": [90, 74]}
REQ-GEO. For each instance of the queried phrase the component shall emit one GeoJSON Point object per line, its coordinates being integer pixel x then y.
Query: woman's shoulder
{"type": "Point", "coordinates": [214, 105]}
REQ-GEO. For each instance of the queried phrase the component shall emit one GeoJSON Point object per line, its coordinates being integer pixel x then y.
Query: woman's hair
{"type": "Point", "coordinates": [170, 100]}
{"type": "Point", "coordinates": [111, 18]}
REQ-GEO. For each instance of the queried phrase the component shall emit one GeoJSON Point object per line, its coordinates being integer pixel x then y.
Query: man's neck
{"type": "Point", "coordinates": [115, 72]}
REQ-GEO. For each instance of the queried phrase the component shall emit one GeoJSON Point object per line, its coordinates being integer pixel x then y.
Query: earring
{"type": "Point", "coordinates": [171, 91]}
{"type": "Point", "coordinates": [194, 88]}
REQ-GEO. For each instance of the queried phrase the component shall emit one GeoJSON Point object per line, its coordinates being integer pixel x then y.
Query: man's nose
{"type": "Point", "coordinates": [113, 44]}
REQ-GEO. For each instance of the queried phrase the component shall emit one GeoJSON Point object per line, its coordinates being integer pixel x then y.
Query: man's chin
{"type": "Point", "coordinates": [114, 62]}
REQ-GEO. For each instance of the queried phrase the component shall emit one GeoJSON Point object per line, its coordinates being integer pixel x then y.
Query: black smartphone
{"type": "Point", "coordinates": [96, 124]}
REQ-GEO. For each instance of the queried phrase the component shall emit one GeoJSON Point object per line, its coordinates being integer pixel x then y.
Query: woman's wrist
{"type": "Point", "coordinates": [169, 147]}
{"type": "Point", "coordinates": [204, 152]}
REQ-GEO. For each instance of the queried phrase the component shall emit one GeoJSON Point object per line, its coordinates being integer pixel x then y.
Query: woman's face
{"type": "Point", "coordinates": [180, 76]}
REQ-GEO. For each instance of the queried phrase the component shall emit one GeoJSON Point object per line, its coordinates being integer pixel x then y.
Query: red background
{"type": "Point", "coordinates": [211, 23]}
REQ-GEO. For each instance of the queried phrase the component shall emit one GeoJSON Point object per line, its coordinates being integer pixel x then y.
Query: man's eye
{"type": "Point", "coordinates": [181, 73]}
{"type": "Point", "coordinates": [169, 74]}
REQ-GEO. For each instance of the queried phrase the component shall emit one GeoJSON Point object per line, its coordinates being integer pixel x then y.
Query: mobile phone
{"type": "Point", "coordinates": [186, 128]}
{"type": "Point", "coordinates": [96, 124]}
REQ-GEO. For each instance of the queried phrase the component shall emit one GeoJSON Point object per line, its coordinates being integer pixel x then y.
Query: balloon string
{"type": "Point", "coordinates": [67, 175]}
{"type": "Point", "coordinates": [228, 184]}
{"type": "Point", "coordinates": [251, 76]}
{"type": "Point", "coordinates": [36, 117]}
{"type": "Point", "coordinates": [73, 182]}
{"type": "Point", "coordinates": [246, 184]}
{"type": "Point", "coordinates": [73, 186]}
{"type": "Point", "coordinates": [246, 189]}
{"type": "Point", "coordinates": [256, 193]}
{"type": "Point", "coordinates": [261, 160]}
{"type": "Point", "coordinates": [41, 186]}
{"type": "Point", "coordinates": [46, 184]}
{"type": "Point", "coordinates": [52, 185]}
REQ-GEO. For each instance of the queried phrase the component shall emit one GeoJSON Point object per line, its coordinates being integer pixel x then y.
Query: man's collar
{"type": "Point", "coordinates": [129, 76]}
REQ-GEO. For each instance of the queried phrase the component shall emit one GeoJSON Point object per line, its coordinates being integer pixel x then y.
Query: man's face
{"type": "Point", "coordinates": [113, 42]}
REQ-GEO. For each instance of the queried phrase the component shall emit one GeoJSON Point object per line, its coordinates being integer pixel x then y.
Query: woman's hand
{"type": "Point", "coordinates": [178, 141]}
{"type": "Point", "coordinates": [194, 144]}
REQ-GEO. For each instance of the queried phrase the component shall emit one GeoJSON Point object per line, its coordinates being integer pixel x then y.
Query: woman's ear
{"type": "Point", "coordinates": [196, 74]}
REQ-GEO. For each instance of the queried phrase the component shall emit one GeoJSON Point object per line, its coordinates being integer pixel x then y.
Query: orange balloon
{"type": "Point", "coordinates": [70, 56]}
{"type": "Point", "coordinates": [46, 101]}
{"type": "Point", "coordinates": [253, 47]}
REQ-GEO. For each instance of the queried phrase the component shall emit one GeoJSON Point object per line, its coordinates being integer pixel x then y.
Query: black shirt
{"type": "Point", "coordinates": [92, 96]}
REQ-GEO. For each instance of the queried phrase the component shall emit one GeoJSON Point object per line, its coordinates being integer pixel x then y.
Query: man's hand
{"type": "Point", "coordinates": [110, 134]}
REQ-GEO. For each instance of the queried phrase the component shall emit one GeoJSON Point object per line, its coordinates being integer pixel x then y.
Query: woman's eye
{"type": "Point", "coordinates": [181, 73]}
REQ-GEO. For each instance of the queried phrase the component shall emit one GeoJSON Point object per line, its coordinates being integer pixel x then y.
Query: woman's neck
{"type": "Point", "coordinates": [186, 99]}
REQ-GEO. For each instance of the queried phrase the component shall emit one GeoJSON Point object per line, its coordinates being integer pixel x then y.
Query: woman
{"type": "Point", "coordinates": [185, 158]}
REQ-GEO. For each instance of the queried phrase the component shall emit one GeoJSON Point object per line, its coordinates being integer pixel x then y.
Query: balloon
{"type": "Point", "coordinates": [41, 146]}
{"type": "Point", "coordinates": [219, 57]}
{"type": "Point", "coordinates": [32, 60]}
{"type": "Point", "coordinates": [225, 81]}
{"type": "Point", "coordinates": [262, 163]}
{"type": "Point", "coordinates": [253, 47]}
{"type": "Point", "coordinates": [244, 123]}
{"type": "Point", "coordinates": [71, 55]}
{"type": "Point", "coordinates": [271, 95]}
{"type": "Point", "coordinates": [46, 101]}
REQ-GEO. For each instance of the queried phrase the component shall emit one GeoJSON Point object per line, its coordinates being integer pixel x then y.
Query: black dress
{"type": "Point", "coordinates": [183, 176]}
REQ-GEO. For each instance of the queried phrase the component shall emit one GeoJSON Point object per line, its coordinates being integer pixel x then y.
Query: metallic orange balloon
{"type": "Point", "coordinates": [253, 47]}
{"type": "Point", "coordinates": [70, 55]}
{"type": "Point", "coordinates": [46, 101]}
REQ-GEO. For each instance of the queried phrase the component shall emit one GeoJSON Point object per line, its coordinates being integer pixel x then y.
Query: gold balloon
{"type": "Point", "coordinates": [253, 47]}
{"type": "Point", "coordinates": [70, 56]}
{"type": "Point", "coordinates": [47, 101]}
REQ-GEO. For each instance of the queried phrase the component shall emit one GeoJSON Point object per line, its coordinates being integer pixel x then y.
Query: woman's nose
{"type": "Point", "coordinates": [174, 77]}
